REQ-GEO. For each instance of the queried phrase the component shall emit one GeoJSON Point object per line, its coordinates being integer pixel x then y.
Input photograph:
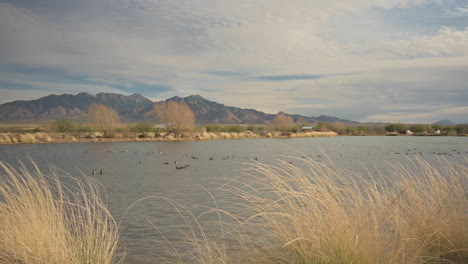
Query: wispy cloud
{"type": "Point", "coordinates": [268, 55]}
{"type": "Point", "coordinates": [461, 11]}
{"type": "Point", "coordinates": [291, 77]}
{"type": "Point", "coordinates": [447, 42]}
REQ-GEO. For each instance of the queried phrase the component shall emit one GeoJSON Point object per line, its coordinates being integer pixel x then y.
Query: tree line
{"type": "Point", "coordinates": [177, 118]}
{"type": "Point", "coordinates": [174, 117]}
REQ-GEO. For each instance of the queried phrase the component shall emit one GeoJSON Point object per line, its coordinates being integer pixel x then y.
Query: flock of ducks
{"type": "Point", "coordinates": [454, 151]}
{"type": "Point", "coordinates": [212, 158]}
{"type": "Point", "coordinates": [177, 167]}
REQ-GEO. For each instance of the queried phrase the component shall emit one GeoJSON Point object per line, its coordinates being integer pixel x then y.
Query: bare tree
{"type": "Point", "coordinates": [283, 123]}
{"type": "Point", "coordinates": [177, 116]}
{"type": "Point", "coordinates": [339, 127]}
{"type": "Point", "coordinates": [103, 118]}
{"type": "Point", "coordinates": [323, 126]}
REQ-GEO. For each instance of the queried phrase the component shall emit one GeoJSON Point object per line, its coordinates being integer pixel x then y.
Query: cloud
{"type": "Point", "coordinates": [458, 12]}
{"type": "Point", "coordinates": [270, 55]}
{"type": "Point", "coordinates": [448, 42]}
{"type": "Point", "coordinates": [290, 77]}
{"type": "Point", "coordinates": [455, 110]}
{"type": "Point", "coordinates": [423, 116]}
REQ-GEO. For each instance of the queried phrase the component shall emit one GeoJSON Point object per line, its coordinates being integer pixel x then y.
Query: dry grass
{"type": "Point", "coordinates": [301, 214]}
{"type": "Point", "coordinates": [209, 136]}
{"type": "Point", "coordinates": [27, 138]}
{"type": "Point", "coordinates": [323, 215]}
{"type": "Point", "coordinates": [43, 137]}
{"type": "Point", "coordinates": [314, 214]}
{"type": "Point", "coordinates": [224, 135]}
{"type": "Point", "coordinates": [314, 134]}
{"type": "Point", "coordinates": [46, 221]}
{"type": "Point", "coordinates": [5, 139]}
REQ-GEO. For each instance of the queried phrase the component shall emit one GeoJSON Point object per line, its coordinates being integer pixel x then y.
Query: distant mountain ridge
{"type": "Point", "coordinates": [68, 106]}
{"type": "Point", "coordinates": [444, 122]}
{"type": "Point", "coordinates": [208, 112]}
{"type": "Point", "coordinates": [138, 108]}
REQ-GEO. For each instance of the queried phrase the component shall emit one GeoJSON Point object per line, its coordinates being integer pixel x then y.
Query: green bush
{"type": "Point", "coordinates": [221, 128]}
{"type": "Point", "coordinates": [419, 128]}
{"type": "Point", "coordinates": [144, 128]}
{"type": "Point", "coordinates": [87, 129]}
{"type": "Point", "coordinates": [236, 129]}
{"type": "Point", "coordinates": [64, 126]}
{"type": "Point", "coordinates": [401, 128]}
{"type": "Point", "coordinates": [461, 129]}
{"type": "Point", "coordinates": [214, 128]}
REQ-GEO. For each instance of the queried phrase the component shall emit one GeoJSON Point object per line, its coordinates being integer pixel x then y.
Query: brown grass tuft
{"type": "Point", "coordinates": [310, 213]}
{"type": "Point", "coordinates": [27, 138]}
{"type": "Point", "coordinates": [46, 221]}
{"type": "Point", "coordinates": [316, 214]}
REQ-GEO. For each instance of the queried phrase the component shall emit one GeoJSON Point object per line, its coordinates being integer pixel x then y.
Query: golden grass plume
{"type": "Point", "coordinates": [27, 138]}
{"type": "Point", "coordinates": [44, 220]}
{"type": "Point", "coordinates": [321, 215]}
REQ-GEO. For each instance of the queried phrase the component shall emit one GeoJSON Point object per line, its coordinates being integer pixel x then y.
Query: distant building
{"type": "Point", "coordinates": [160, 126]}
{"type": "Point", "coordinates": [408, 132]}
{"type": "Point", "coordinates": [307, 128]}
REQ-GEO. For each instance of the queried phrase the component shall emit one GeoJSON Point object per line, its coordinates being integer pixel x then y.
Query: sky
{"type": "Point", "coordinates": [364, 60]}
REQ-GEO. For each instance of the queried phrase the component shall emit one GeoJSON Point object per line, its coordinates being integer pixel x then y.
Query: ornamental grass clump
{"type": "Point", "coordinates": [27, 138]}
{"type": "Point", "coordinates": [322, 215]}
{"type": "Point", "coordinates": [44, 220]}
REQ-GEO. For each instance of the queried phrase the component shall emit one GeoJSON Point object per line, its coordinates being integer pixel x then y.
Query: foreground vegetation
{"type": "Point", "coordinates": [317, 214]}
{"type": "Point", "coordinates": [304, 213]}
{"type": "Point", "coordinates": [44, 220]}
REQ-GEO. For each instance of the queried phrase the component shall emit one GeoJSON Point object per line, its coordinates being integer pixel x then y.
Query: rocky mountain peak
{"type": "Point", "coordinates": [137, 108]}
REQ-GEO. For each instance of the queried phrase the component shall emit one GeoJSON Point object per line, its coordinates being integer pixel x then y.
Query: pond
{"type": "Point", "coordinates": [181, 171]}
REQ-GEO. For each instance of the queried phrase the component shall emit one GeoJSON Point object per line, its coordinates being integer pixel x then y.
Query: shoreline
{"type": "Point", "coordinates": [44, 138]}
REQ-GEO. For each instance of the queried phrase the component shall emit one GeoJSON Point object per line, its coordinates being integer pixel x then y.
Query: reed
{"type": "Point", "coordinates": [5, 139]}
{"type": "Point", "coordinates": [13, 139]}
{"type": "Point", "coordinates": [317, 214]}
{"type": "Point", "coordinates": [27, 138]}
{"type": "Point", "coordinates": [225, 135]}
{"type": "Point", "coordinates": [43, 137]}
{"type": "Point", "coordinates": [47, 221]}
{"type": "Point", "coordinates": [314, 134]}
{"type": "Point", "coordinates": [306, 213]}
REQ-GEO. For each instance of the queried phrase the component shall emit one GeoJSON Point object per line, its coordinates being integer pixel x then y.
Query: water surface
{"type": "Point", "coordinates": [135, 170]}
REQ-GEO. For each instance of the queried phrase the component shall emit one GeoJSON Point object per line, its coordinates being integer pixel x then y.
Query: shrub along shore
{"type": "Point", "coordinates": [62, 131]}
{"type": "Point", "coordinates": [41, 137]}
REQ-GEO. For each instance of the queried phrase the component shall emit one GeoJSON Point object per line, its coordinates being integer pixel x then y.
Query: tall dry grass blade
{"type": "Point", "coordinates": [317, 214]}
{"type": "Point", "coordinates": [45, 220]}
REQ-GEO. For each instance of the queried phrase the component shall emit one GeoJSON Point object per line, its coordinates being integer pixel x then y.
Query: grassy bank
{"type": "Point", "coordinates": [42, 137]}
{"type": "Point", "coordinates": [306, 213]}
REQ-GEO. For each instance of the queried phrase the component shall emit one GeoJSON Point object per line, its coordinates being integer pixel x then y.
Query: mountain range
{"type": "Point", "coordinates": [444, 122]}
{"type": "Point", "coordinates": [137, 108]}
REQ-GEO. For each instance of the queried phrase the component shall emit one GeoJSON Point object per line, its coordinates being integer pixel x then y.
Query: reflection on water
{"type": "Point", "coordinates": [132, 171]}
